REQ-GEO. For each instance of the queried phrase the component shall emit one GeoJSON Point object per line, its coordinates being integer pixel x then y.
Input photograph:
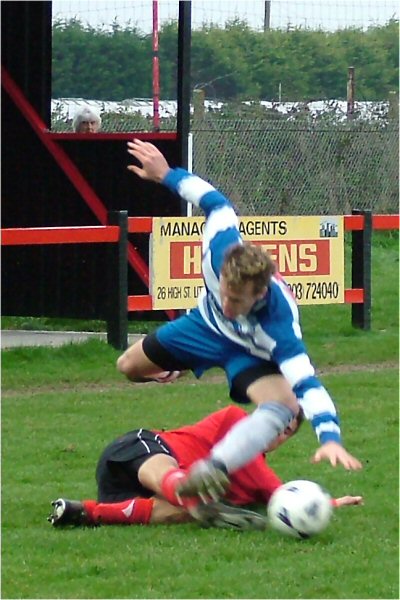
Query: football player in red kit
{"type": "Point", "coordinates": [136, 476]}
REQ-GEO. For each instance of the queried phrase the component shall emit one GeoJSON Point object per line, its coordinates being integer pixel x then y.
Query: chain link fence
{"type": "Point", "coordinates": [286, 164]}
{"type": "Point", "coordinates": [288, 168]}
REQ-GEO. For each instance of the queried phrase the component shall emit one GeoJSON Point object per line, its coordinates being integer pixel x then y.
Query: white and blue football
{"type": "Point", "coordinates": [300, 509]}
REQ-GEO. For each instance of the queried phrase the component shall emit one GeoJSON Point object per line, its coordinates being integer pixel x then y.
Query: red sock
{"type": "Point", "coordinates": [89, 506]}
{"type": "Point", "coordinates": [134, 510]}
{"type": "Point", "coordinates": [168, 485]}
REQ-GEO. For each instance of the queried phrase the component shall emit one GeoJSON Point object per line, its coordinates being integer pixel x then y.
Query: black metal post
{"type": "Point", "coordinates": [361, 244]}
{"type": "Point", "coordinates": [183, 91]}
{"type": "Point", "coordinates": [117, 281]}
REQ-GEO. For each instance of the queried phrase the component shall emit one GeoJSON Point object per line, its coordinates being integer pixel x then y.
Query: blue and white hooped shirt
{"type": "Point", "coordinates": [271, 330]}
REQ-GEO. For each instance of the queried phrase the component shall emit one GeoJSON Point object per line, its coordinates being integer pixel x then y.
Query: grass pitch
{"type": "Point", "coordinates": [51, 441]}
{"type": "Point", "coordinates": [61, 406]}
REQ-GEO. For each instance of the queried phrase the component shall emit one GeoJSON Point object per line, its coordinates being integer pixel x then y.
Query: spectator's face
{"type": "Point", "coordinates": [88, 127]}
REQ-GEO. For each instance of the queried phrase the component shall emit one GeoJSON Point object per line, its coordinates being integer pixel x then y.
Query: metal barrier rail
{"type": "Point", "coordinates": [356, 222]}
{"type": "Point", "coordinates": [114, 234]}
{"type": "Point", "coordinates": [360, 223]}
{"type": "Point", "coordinates": [26, 236]}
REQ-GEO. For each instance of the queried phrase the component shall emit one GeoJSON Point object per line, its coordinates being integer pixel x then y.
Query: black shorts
{"type": "Point", "coordinates": [160, 356]}
{"type": "Point", "coordinates": [243, 380]}
{"type": "Point", "coordinates": [117, 469]}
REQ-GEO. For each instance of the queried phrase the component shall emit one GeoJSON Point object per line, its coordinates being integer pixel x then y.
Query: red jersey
{"type": "Point", "coordinates": [253, 483]}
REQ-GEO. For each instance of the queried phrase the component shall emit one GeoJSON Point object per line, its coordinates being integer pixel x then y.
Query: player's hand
{"type": "Point", "coordinates": [336, 455]}
{"type": "Point", "coordinates": [348, 501]}
{"type": "Point", "coordinates": [154, 165]}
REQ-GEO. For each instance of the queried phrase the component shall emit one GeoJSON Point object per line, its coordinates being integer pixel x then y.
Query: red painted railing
{"type": "Point", "coordinates": [111, 234]}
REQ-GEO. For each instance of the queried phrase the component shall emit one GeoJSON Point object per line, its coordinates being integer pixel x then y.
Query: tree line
{"type": "Point", "coordinates": [230, 63]}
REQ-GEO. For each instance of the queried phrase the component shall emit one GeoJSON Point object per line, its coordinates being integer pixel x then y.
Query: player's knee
{"type": "Point", "coordinates": [124, 365]}
{"type": "Point", "coordinates": [130, 364]}
{"type": "Point", "coordinates": [288, 402]}
{"type": "Point", "coordinates": [120, 364]}
{"type": "Point", "coordinates": [280, 394]}
{"type": "Point", "coordinates": [291, 402]}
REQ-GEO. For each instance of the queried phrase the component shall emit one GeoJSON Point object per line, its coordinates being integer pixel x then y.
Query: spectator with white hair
{"type": "Point", "coordinates": [86, 121]}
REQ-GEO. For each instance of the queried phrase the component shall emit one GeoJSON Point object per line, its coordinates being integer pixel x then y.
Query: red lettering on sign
{"type": "Point", "coordinates": [300, 257]}
{"type": "Point", "coordinates": [292, 257]}
{"type": "Point", "coordinates": [185, 260]}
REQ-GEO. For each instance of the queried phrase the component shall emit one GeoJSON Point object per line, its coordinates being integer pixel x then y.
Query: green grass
{"type": "Point", "coordinates": [51, 441]}
{"type": "Point", "coordinates": [61, 406]}
{"type": "Point", "coordinates": [64, 324]}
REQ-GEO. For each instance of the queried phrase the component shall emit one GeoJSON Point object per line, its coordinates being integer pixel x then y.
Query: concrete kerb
{"type": "Point", "coordinates": [17, 338]}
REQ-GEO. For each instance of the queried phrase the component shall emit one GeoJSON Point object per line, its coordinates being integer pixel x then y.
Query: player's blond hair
{"type": "Point", "coordinates": [246, 262]}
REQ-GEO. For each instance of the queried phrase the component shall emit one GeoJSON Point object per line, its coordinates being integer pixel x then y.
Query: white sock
{"type": "Point", "coordinates": [251, 435]}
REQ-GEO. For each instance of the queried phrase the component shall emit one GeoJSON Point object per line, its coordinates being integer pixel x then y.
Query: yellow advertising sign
{"type": "Point", "coordinates": [308, 251]}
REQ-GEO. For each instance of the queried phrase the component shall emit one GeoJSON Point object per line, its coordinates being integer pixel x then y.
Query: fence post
{"type": "Point", "coordinates": [393, 106]}
{"type": "Point", "coordinates": [361, 243]}
{"type": "Point", "coordinates": [117, 281]}
{"type": "Point", "coordinates": [350, 92]}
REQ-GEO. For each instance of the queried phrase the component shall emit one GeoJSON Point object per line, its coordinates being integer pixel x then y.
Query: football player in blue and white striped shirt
{"type": "Point", "coordinates": [247, 323]}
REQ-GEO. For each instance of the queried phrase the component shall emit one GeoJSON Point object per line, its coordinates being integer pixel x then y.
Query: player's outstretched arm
{"type": "Point", "coordinates": [337, 455]}
{"type": "Point", "coordinates": [154, 165]}
{"type": "Point", "coordinates": [347, 501]}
